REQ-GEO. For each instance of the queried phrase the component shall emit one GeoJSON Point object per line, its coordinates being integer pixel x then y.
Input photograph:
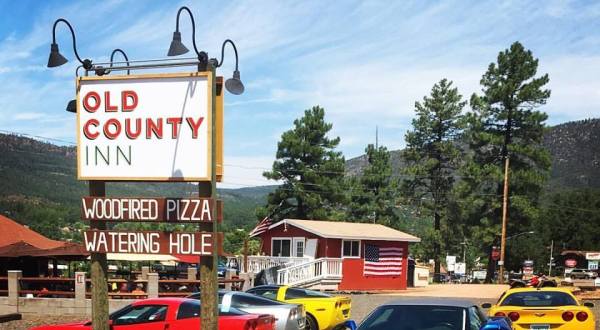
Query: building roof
{"type": "Point", "coordinates": [349, 230]}
{"type": "Point", "coordinates": [13, 232]}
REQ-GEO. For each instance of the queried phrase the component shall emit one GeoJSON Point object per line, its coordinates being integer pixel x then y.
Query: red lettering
{"type": "Point", "coordinates": [138, 124]}
{"type": "Point", "coordinates": [116, 124]}
{"type": "Point", "coordinates": [107, 106]}
{"type": "Point", "coordinates": [86, 129]}
{"type": "Point", "coordinates": [128, 95]}
{"type": "Point", "coordinates": [195, 126]}
{"type": "Point", "coordinates": [174, 122]}
{"type": "Point", "coordinates": [86, 101]}
{"type": "Point", "coordinates": [156, 128]}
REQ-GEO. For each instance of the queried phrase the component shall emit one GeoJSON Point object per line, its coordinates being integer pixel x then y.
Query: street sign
{"type": "Point", "coordinates": [150, 242]}
{"type": "Point", "coordinates": [142, 209]}
{"type": "Point", "coordinates": [592, 256]}
{"type": "Point", "coordinates": [145, 127]}
{"type": "Point", "coordinates": [495, 254]}
{"type": "Point", "coordinates": [593, 265]}
{"type": "Point", "coordinates": [571, 263]}
{"type": "Point", "coordinates": [450, 262]}
{"type": "Point", "coordinates": [460, 268]}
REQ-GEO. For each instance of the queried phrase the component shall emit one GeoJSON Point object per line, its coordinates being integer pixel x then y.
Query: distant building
{"type": "Point", "coordinates": [24, 249]}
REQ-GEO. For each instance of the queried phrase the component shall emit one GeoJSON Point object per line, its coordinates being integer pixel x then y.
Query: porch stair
{"type": "Point", "coordinates": [322, 274]}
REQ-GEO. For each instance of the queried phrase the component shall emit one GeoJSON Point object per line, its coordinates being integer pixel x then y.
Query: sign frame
{"type": "Point", "coordinates": [209, 121]}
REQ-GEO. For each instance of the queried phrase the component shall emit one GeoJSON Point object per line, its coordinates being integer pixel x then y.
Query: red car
{"type": "Point", "coordinates": [172, 314]}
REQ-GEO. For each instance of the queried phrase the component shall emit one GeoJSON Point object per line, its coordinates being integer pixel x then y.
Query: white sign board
{"type": "Point", "coordinates": [593, 265]}
{"type": "Point", "coordinates": [460, 268]}
{"type": "Point", "coordinates": [450, 261]}
{"type": "Point", "coordinates": [592, 256]}
{"type": "Point", "coordinates": [146, 127]}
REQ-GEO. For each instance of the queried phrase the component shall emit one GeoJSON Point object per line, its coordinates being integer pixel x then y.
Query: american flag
{"type": "Point", "coordinates": [383, 261]}
{"type": "Point", "coordinates": [261, 227]}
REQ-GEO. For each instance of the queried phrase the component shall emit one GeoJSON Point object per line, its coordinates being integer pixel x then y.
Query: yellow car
{"type": "Point", "coordinates": [323, 311]}
{"type": "Point", "coordinates": [543, 309]}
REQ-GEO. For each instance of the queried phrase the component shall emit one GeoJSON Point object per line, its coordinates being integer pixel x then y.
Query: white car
{"type": "Point", "coordinates": [288, 316]}
{"type": "Point", "coordinates": [582, 274]}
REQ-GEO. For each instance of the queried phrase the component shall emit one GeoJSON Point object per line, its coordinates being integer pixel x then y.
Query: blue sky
{"type": "Point", "coordinates": [365, 62]}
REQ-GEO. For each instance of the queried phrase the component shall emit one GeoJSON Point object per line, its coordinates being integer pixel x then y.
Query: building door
{"type": "Point", "coordinates": [298, 247]}
{"type": "Point", "coordinates": [310, 250]}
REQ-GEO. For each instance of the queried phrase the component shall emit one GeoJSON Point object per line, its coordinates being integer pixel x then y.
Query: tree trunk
{"type": "Point", "coordinates": [491, 267]}
{"type": "Point", "coordinates": [436, 248]}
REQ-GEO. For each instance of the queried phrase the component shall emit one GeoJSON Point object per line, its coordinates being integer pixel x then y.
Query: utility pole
{"type": "Point", "coordinates": [504, 220]}
{"type": "Point", "coordinates": [551, 259]}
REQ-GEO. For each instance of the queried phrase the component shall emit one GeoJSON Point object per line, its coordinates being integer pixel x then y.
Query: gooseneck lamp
{"type": "Point", "coordinates": [112, 57]}
{"type": "Point", "coordinates": [234, 84]}
{"type": "Point", "coordinates": [55, 58]}
{"type": "Point", "coordinates": [178, 48]}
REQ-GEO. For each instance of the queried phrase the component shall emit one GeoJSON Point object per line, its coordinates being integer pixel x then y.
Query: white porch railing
{"type": "Point", "coordinates": [315, 270]}
{"type": "Point", "coordinates": [258, 263]}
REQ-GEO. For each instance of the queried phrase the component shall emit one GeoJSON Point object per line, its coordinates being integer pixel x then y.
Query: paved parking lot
{"type": "Point", "coordinates": [363, 304]}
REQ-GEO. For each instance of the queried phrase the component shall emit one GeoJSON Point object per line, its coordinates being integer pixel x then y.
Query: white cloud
{"type": "Point", "coordinates": [29, 116]}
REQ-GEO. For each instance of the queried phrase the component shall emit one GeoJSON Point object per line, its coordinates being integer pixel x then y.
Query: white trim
{"type": "Point", "coordinates": [359, 249]}
{"type": "Point", "coordinates": [282, 238]}
{"type": "Point", "coordinates": [295, 247]}
{"type": "Point", "coordinates": [359, 238]}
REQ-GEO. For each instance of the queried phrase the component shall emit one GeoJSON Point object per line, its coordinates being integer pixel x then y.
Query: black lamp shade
{"type": "Point", "coordinates": [177, 47]}
{"type": "Point", "coordinates": [234, 85]}
{"type": "Point", "coordinates": [55, 58]}
{"type": "Point", "coordinates": [72, 106]}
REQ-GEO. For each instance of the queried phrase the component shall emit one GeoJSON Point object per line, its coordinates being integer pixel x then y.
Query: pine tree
{"type": "Point", "coordinates": [504, 123]}
{"type": "Point", "coordinates": [311, 169]}
{"type": "Point", "coordinates": [432, 154]}
{"type": "Point", "coordinates": [373, 193]}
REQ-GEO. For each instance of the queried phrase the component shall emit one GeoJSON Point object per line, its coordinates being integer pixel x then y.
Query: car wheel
{"type": "Point", "coordinates": [311, 323]}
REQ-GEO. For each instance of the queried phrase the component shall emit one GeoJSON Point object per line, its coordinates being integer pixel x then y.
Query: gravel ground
{"type": "Point", "coordinates": [30, 320]}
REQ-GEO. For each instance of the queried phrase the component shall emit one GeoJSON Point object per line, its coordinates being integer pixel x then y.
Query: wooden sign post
{"type": "Point", "coordinates": [159, 127]}
{"type": "Point", "coordinates": [99, 268]}
{"type": "Point", "coordinates": [208, 265]}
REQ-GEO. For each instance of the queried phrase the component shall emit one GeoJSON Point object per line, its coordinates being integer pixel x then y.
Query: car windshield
{"type": "Point", "coordinates": [415, 317]}
{"type": "Point", "coordinates": [539, 299]}
{"type": "Point", "coordinates": [295, 293]}
{"type": "Point", "coordinates": [139, 314]}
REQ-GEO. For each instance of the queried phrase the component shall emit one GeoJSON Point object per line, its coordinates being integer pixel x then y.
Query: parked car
{"type": "Point", "coordinates": [288, 316]}
{"type": "Point", "coordinates": [577, 274]}
{"type": "Point", "coordinates": [172, 314]}
{"type": "Point", "coordinates": [543, 309]}
{"type": "Point", "coordinates": [323, 311]}
{"type": "Point", "coordinates": [431, 313]}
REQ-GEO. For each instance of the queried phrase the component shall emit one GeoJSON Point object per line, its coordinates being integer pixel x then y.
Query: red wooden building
{"type": "Point", "coordinates": [336, 255]}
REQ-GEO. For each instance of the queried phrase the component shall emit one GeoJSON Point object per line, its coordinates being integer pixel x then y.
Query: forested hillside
{"type": "Point", "coordinates": [38, 187]}
{"type": "Point", "coordinates": [574, 148]}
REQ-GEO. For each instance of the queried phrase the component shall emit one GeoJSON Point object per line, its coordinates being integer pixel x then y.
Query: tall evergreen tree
{"type": "Point", "coordinates": [432, 154]}
{"type": "Point", "coordinates": [504, 123]}
{"type": "Point", "coordinates": [311, 169]}
{"type": "Point", "coordinates": [373, 193]}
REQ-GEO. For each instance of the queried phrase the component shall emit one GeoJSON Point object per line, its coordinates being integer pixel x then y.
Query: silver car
{"type": "Point", "coordinates": [288, 316]}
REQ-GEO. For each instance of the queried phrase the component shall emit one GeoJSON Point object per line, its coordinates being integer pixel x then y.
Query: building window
{"type": "Point", "coordinates": [299, 248]}
{"type": "Point", "coordinates": [350, 249]}
{"type": "Point", "coordinates": [282, 247]}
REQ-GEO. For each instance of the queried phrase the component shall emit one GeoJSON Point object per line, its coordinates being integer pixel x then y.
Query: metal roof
{"type": "Point", "coordinates": [349, 230]}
